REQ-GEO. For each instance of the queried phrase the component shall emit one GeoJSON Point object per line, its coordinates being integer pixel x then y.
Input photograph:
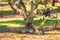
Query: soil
{"type": "Point", "coordinates": [14, 33]}
{"type": "Point", "coordinates": [16, 36]}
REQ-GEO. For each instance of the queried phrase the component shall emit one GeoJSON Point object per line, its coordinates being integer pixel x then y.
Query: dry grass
{"type": "Point", "coordinates": [15, 36]}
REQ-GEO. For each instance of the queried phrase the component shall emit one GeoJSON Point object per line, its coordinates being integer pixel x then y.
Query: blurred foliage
{"type": "Point", "coordinates": [57, 8]}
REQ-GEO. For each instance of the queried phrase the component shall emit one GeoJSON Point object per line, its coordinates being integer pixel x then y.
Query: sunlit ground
{"type": "Point", "coordinates": [20, 23]}
{"type": "Point", "coordinates": [54, 35]}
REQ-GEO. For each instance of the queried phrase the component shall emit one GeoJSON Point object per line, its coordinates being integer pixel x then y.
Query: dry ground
{"type": "Point", "coordinates": [6, 35]}
{"type": "Point", "coordinates": [16, 36]}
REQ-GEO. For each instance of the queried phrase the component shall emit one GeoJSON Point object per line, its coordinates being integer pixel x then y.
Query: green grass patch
{"type": "Point", "coordinates": [51, 22]}
{"type": "Point", "coordinates": [13, 23]}
{"type": "Point", "coordinates": [48, 22]}
{"type": "Point", "coordinates": [6, 11]}
{"type": "Point", "coordinates": [19, 23]}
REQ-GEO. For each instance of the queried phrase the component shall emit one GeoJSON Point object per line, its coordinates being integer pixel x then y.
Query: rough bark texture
{"type": "Point", "coordinates": [28, 22]}
{"type": "Point", "coordinates": [28, 19]}
{"type": "Point", "coordinates": [14, 7]}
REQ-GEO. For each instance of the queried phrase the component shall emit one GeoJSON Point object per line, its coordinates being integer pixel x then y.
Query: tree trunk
{"type": "Point", "coordinates": [28, 18]}
{"type": "Point", "coordinates": [28, 22]}
{"type": "Point", "coordinates": [29, 25]}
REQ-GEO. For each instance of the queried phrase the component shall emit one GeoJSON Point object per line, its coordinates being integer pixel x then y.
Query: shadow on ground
{"type": "Point", "coordinates": [19, 30]}
{"type": "Point", "coordinates": [11, 30]}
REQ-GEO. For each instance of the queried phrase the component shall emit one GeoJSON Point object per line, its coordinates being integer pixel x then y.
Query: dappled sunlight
{"type": "Point", "coordinates": [30, 20]}
{"type": "Point", "coordinates": [12, 25]}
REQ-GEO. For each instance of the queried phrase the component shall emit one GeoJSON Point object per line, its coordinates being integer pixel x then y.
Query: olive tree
{"type": "Point", "coordinates": [20, 7]}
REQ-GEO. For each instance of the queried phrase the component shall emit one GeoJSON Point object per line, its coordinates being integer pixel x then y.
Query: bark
{"type": "Point", "coordinates": [28, 19]}
{"type": "Point", "coordinates": [11, 5]}
{"type": "Point", "coordinates": [15, 9]}
{"type": "Point", "coordinates": [28, 22]}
